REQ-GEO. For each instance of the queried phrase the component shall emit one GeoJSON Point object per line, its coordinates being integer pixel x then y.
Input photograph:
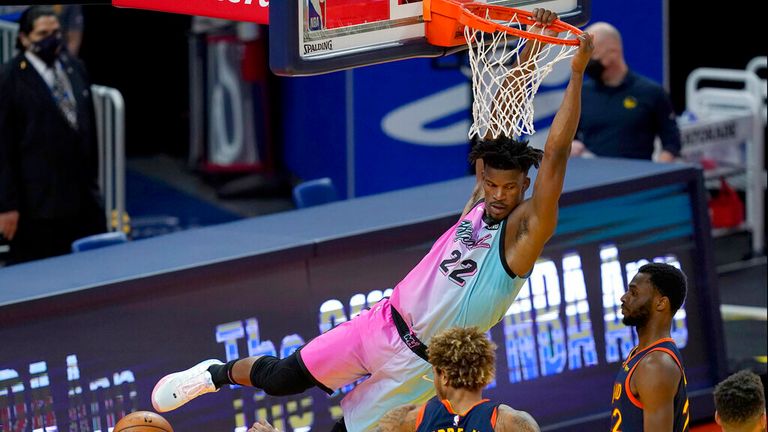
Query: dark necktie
{"type": "Point", "coordinates": [64, 99]}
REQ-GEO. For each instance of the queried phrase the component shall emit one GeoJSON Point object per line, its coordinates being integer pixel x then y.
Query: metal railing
{"type": "Point", "coordinates": [726, 106]}
{"type": "Point", "coordinates": [110, 129]}
{"type": "Point", "coordinates": [756, 65]}
{"type": "Point", "coordinates": [8, 31]}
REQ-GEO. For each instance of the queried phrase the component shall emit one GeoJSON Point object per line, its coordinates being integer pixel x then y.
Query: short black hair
{"type": "Point", "coordinates": [506, 154]}
{"type": "Point", "coordinates": [669, 281]}
{"type": "Point", "coordinates": [740, 397]}
{"type": "Point", "coordinates": [28, 18]}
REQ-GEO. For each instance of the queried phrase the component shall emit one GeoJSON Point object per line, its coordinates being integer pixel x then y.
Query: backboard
{"type": "Point", "coordinates": [310, 37]}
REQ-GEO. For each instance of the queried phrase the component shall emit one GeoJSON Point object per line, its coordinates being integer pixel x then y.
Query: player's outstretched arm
{"type": "Point", "coordinates": [539, 219]}
{"type": "Point", "coordinates": [402, 419]}
{"type": "Point", "coordinates": [511, 420]}
{"type": "Point", "coordinates": [549, 180]}
{"type": "Point", "coordinates": [656, 379]}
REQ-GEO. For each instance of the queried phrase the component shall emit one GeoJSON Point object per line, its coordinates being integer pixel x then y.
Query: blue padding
{"type": "Point", "coordinates": [150, 198]}
{"type": "Point", "coordinates": [97, 241]}
{"type": "Point", "coordinates": [12, 17]}
{"type": "Point", "coordinates": [314, 192]}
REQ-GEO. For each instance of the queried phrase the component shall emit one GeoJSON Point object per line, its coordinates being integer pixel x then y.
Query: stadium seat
{"type": "Point", "coordinates": [314, 192]}
{"type": "Point", "coordinates": [98, 241]}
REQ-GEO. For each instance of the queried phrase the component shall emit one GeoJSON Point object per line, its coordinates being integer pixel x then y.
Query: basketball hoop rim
{"type": "Point", "coordinates": [465, 14]}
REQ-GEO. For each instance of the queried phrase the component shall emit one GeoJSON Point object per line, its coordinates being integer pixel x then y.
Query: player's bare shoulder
{"type": "Point", "coordinates": [657, 371]}
{"type": "Point", "coordinates": [512, 420]}
{"type": "Point", "coordinates": [401, 419]}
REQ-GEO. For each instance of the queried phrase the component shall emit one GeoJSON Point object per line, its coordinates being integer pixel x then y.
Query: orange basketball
{"type": "Point", "coordinates": [143, 421]}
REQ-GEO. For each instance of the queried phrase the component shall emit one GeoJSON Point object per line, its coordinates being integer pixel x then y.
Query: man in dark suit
{"type": "Point", "coordinates": [49, 193]}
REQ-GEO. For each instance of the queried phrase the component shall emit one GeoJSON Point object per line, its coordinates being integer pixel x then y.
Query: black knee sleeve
{"type": "Point", "coordinates": [280, 377]}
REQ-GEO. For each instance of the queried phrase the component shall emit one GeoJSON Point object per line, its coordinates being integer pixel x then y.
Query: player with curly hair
{"type": "Point", "coordinates": [463, 363]}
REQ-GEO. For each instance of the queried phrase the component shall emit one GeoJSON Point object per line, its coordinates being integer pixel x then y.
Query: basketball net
{"type": "Point", "coordinates": [503, 88]}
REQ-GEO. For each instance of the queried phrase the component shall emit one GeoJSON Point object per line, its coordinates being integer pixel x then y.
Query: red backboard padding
{"type": "Point", "coordinates": [243, 10]}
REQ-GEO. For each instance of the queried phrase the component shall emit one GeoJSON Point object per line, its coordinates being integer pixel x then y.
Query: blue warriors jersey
{"type": "Point", "coordinates": [627, 410]}
{"type": "Point", "coordinates": [438, 416]}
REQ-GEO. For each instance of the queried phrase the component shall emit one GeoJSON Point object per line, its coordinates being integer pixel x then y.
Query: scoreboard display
{"type": "Point", "coordinates": [86, 360]}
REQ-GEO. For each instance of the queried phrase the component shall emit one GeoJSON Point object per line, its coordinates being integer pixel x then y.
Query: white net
{"type": "Point", "coordinates": [503, 87]}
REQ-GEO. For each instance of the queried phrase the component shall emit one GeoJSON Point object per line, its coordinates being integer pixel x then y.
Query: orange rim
{"type": "Point", "coordinates": [453, 14]}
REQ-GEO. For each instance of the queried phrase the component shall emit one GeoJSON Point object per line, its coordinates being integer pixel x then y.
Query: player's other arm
{"type": "Point", "coordinates": [402, 419]}
{"type": "Point", "coordinates": [511, 420]}
{"type": "Point", "coordinates": [477, 192]}
{"type": "Point", "coordinates": [539, 216]}
{"type": "Point", "coordinates": [656, 380]}
{"type": "Point", "coordinates": [543, 18]}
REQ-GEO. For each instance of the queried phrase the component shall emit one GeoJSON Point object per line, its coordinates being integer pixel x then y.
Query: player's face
{"type": "Point", "coordinates": [504, 190]}
{"type": "Point", "coordinates": [636, 303]}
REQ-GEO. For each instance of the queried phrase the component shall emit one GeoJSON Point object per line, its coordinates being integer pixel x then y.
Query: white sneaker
{"type": "Point", "coordinates": [176, 389]}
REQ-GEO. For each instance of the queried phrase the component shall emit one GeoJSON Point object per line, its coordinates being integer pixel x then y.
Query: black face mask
{"type": "Point", "coordinates": [48, 49]}
{"type": "Point", "coordinates": [595, 70]}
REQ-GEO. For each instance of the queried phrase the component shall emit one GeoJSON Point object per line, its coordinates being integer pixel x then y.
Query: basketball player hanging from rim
{"type": "Point", "coordinates": [469, 278]}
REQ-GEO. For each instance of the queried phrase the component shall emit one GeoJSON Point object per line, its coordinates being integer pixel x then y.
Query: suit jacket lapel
{"type": "Point", "coordinates": [44, 93]}
{"type": "Point", "coordinates": [36, 83]}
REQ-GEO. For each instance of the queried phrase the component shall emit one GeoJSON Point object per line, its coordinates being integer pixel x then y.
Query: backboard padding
{"type": "Point", "coordinates": [310, 37]}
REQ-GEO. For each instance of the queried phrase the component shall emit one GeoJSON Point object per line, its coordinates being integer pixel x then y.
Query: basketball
{"type": "Point", "coordinates": [143, 421]}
